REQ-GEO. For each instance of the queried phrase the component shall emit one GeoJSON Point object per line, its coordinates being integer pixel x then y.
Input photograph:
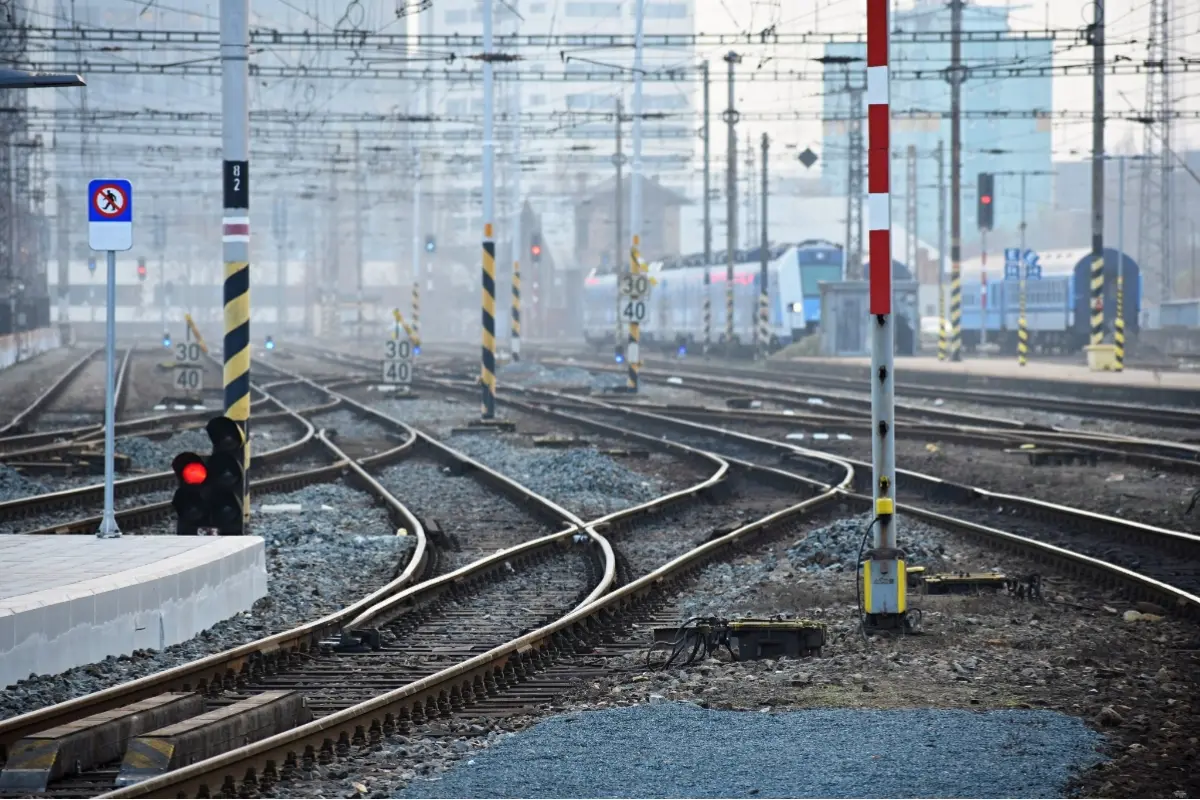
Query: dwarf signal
{"type": "Point", "coordinates": [210, 495]}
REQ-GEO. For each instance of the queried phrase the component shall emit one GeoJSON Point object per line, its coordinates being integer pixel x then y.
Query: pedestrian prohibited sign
{"type": "Point", "coordinates": [110, 214]}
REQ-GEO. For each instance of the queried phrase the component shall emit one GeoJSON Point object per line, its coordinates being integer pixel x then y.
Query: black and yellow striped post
{"type": "Point", "coordinates": [1022, 324]}
{"type": "Point", "coordinates": [516, 310]}
{"type": "Point", "coordinates": [1119, 326]}
{"type": "Point", "coordinates": [633, 354]}
{"type": "Point", "coordinates": [237, 337]}
{"type": "Point", "coordinates": [943, 341]}
{"type": "Point", "coordinates": [416, 315]}
{"type": "Point", "coordinates": [955, 302]}
{"type": "Point", "coordinates": [1097, 297]}
{"type": "Point", "coordinates": [487, 376]}
{"type": "Point", "coordinates": [707, 311]}
{"type": "Point", "coordinates": [729, 312]}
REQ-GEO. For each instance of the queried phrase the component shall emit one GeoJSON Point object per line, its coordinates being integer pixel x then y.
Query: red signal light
{"type": "Point", "coordinates": [194, 473]}
{"type": "Point", "coordinates": [536, 250]}
{"type": "Point", "coordinates": [986, 199]}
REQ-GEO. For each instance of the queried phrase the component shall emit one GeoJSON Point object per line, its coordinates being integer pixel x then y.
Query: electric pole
{"type": "Point", "coordinates": [358, 231]}
{"type": "Point", "coordinates": [707, 221]}
{"type": "Point", "coordinates": [956, 75]}
{"type": "Point", "coordinates": [1096, 32]}
{"type": "Point", "coordinates": [764, 323]}
{"type": "Point", "coordinates": [731, 201]}
{"type": "Point", "coordinates": [910, 211]}
{"type": "Point", "coordinates": [941, 274]}
{"type": "Point", "coordinates": [619, 241]}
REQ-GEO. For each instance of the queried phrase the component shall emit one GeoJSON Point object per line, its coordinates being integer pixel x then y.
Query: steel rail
{"type": "Point", "coordinates": [1179, 542]}
{"type": "Point", "coordinates": [19, 422]}
{"type": "Point", "coordinates": [268, 756]}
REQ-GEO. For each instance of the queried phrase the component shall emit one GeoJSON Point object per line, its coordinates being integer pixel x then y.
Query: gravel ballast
{"type": "Point", "coordinates": [682, 750]}
{"type": "Point", "coordinates": [581, 480]}
{"type": "Point", "coordinates": [338, 550]}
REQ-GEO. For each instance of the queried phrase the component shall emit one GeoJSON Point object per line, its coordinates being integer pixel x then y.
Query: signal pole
{"type": "Point", "coordinates": [731, 237]}
{"type": "Point", "coordinates": [764, 320]}
{"type": "Point", "coordinates": [956, 75]}
{"type": "Point", "coordinates": [515, 327]}
{"type": "Point", "coordinates": [235, 130]}
{"type": "Point", "coordinates": [707, 220]}
{"type": "Point", "coordinates": [619, 249]}
{"type": "Point", "coordinates": [487, 378]}
{"type": "Point", "coordinates": [941, 277]}
{"type": "Point", "coordinates": [1096, 31]}
{"type": "Point", "coordinates": [358, 232]}
{"type": "Point", "coordinates": [633, 356]}
{"type": "Point", "coordinates": [883, 574]}
{"type": "Point", "coordinates": [416, 242]}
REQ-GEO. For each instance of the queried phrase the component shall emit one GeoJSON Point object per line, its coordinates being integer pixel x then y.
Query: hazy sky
{"type": "Point", "coordinates": [1128, 22]}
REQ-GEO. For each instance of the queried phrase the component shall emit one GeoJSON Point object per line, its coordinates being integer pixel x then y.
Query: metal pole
{"type": "Point", "coordinates": [1022, 323]}
{"type": "Point", "coordinates": [982, 290]}
{"type": "Point", "coordinates": [235, 130]}
{"type": "Point", "coordinates": [281, 262]}
{"type": "Point", "coordinates": [1097, 272]}
{"type": "Point", "coordinates": [634, 357]}
{"type": "Point", "coordinates": [1119, 318]}
{"type": "Point", "coordinates": [943, 338]}
{"type": "Point", "coordinates": [358, 233]}
{"type": "Point", "coordinates": [707, 220]}
{"type": "Point", "coordinates": [764, 320]}
{"type": "Point", "coordinates": [108, 523]}
{"type": "Point", "coordinates": [619, 240]}
{"type": "Point", "coordinates": [416, 236]}
{"type": "Point", "coordinates": [517, 245]}
{"type": "Point", "coordinates": [488, 368]}
{"type": "Point", "coordinates": [731, 237]}
{"type": "Point", "coordinates": [883, 572]}
{"type": "Point", "coordinates": [956, 76]}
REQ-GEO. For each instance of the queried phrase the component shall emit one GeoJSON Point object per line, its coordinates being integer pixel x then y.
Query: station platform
{"type": "Point", "coordinates": [1155, 387]}
{"type": "Point", "coordinates": [1034, 370]}
{"type": "Point", "coordinates": [72, 600]}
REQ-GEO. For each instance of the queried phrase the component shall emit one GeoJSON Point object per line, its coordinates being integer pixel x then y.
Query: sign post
{"type": "Point", "coordinates": [398, 353]}
{"type": "Point", "coordinates": [110, 228]}
{"type": "Point", "coordinates": [1021, 266]}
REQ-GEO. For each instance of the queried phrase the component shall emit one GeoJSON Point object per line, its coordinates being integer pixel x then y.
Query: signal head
{"type": "Point", "coordinates": [270, 343]}
{"type": "Point", "coordinates": [166, 340]}
{"type": "Point", "coordinates": [226, 435]}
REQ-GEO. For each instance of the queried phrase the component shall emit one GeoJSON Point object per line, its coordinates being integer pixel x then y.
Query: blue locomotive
{"type": "Point", "coordinates": [1057, 306]}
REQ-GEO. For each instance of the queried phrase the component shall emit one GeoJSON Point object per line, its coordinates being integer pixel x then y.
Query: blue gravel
{"type": "Point", "coordinates": [682, 750]}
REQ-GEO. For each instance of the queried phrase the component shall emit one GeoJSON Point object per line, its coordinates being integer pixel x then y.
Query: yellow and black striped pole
{"type": "Point", "coordinates": [707, 310]}
{"type": "Point", "coordinates": [1097, 297]}
{"type": "Point", "coordinates": [516, 310]}
{"type": "Point", "coordinates": [415, 335]}
{"type": "Point", "coordinates": [235, 231]}
{"type": "Point", "coordinates": [729, 310]}
{"type": "Point", "coordinates": [487, 376]}
{"type": "Point", "coordinates": [1119, 326]}
{"type": "Point", "coordinates": [955, 302]}
{"type": "Point", "coordinates": [409, 331]}
{"type": "Point", "coordinates": [1022, 325]}
{"type": "Point", "coordinates": [633, 356]}
{"type": "Point", "coordinates": [943, 343]}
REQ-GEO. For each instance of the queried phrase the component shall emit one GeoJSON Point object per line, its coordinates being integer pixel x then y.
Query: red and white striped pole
{"type": "Point", "coordinates": [883, 571]}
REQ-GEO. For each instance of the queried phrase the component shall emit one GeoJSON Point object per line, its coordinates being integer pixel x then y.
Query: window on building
{"type": "Point", "coordinates": [537, 8]}
{"type": "Point", "coordinates": [456, 16]}
{"type": "Point", "coordinates": [593, 9]}
{"type": "Point", "coordinates": [667, 11]}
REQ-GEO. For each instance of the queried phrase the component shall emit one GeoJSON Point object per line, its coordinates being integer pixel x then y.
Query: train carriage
{"type": "Point", "coordinates": [675, 306]}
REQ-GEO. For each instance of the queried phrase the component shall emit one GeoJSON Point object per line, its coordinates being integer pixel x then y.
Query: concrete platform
{"type": "Point", "coordinates": [72, 600]}
{"type": "Point", "coordinates": [1034, 370]}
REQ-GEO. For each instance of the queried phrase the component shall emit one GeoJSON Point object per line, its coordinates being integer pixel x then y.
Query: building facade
{"type": "Point", "coordinates": [1002, 145]}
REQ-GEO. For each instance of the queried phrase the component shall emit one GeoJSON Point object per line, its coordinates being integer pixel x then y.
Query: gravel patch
{"type": "Point", "coordinates": [581, 479]}
{"type": "Point", "coordinates": [317, 563]}
{"type": "Point", "coordinates": [13, 484]}
{"type": "Point", "coordinates": [682, 750]}
{"type": "Point", "coordinates": [350, 425]}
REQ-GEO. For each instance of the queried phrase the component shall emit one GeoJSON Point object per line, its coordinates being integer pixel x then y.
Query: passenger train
{"type": "Point", "coordinates": [675, 307]}
{"type": "Point", "coordinates": [1058, 305]}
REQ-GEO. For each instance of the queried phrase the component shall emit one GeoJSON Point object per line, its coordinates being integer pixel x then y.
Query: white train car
{"type": "Point", "coordinates": [675, 306]}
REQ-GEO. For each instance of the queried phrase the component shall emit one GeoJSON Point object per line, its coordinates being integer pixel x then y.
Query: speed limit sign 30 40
{"type": "Point", "coordinates": [397, 361]}
{"type": "Point", "coordinates": [189, 374]}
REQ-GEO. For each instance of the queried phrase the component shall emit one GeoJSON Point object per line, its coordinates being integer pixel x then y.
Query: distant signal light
{"type": "Point", "coordinates": [194, 473]}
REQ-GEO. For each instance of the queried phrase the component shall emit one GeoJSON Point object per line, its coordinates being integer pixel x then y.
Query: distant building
{"type": "Point", "coordinates": [595, 234]}
{"type": "Point", "coordinates": [1023, 144]}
